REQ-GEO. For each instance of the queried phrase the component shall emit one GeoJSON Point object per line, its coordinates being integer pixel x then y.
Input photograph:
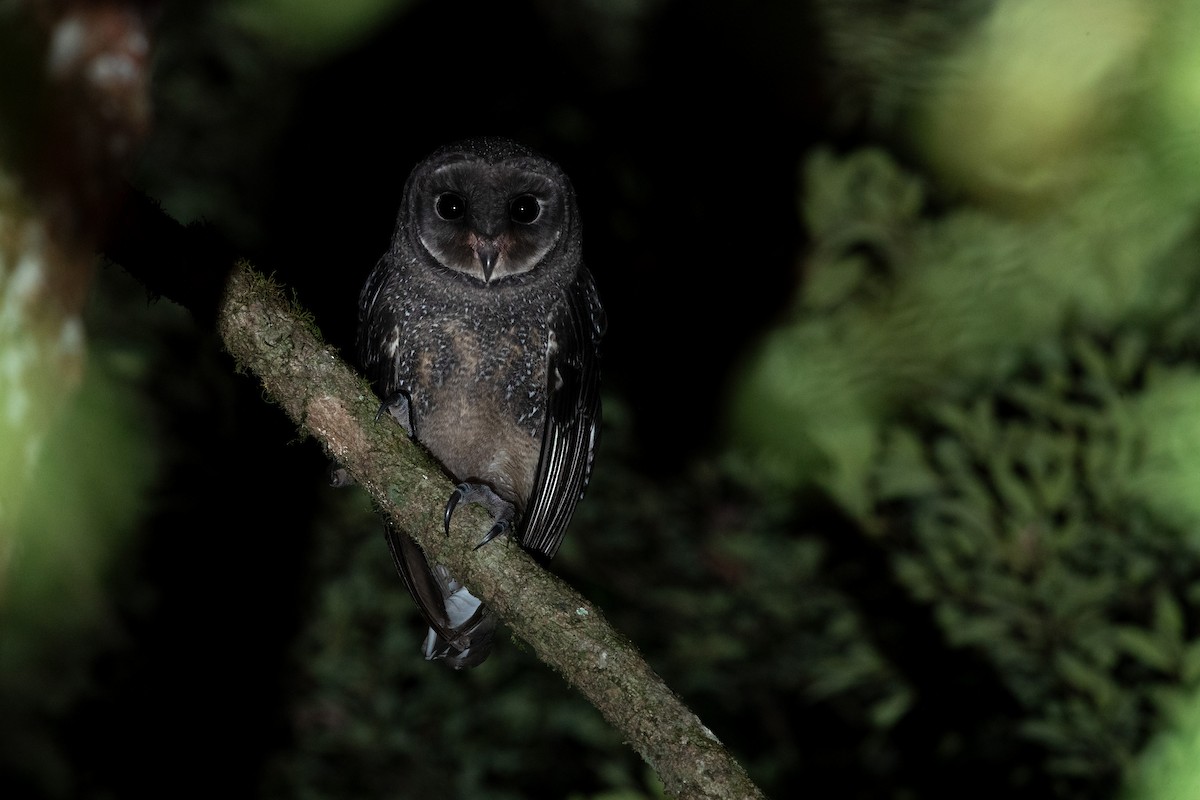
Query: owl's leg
{"type": "Point", "coordinates": [482, 494]}
{"type": "Point", "coordinates": [398, 408]}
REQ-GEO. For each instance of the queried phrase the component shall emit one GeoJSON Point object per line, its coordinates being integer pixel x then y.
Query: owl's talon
{"type": "Point", "coordinates": [451, 504]}
{"type": "Point", "coordinates": [498, 529]}
{"type": "Point", "coordinates": [398, 408]}
{"type": "Point", "coordinates": [485, 496]}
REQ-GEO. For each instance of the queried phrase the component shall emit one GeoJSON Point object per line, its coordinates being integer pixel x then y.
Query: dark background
{"type": "Point", "coordinates": [243, 634]}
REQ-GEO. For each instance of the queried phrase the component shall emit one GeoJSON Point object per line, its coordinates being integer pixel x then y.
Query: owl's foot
{"type": "Point", "coordinates": [398, 408]}
{"type": "Point", "coordinates": [479, 493]}
{"type": "Point", "coordinates": [339, 477]}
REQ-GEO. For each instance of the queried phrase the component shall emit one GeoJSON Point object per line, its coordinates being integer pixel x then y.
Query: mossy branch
{"type": "Point", "coordinates": [275, 340]}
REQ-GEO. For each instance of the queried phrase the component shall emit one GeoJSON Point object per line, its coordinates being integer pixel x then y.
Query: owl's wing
{"type": "Point", "coordinates": [572, 418]}
{"type": "Point", "coordinates": [371, 321]}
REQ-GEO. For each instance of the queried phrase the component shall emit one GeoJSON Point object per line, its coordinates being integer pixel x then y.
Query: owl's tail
{"type": "Point", "coordinates": [461, 629]}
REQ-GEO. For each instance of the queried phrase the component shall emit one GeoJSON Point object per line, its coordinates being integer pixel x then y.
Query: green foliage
{"type": "Point", "coordinates": [1167, 112]}
{"type": "Point", "coordinates": [1169, 769]}
{"type": "Point", "coordinates": [1006, 406]}
{"type": "Point", "coordinates": [1168, 473]}
{"type": "Point", "coordinates": [896, 308]}
{"type": "Point", "coordinates": [1017, 517]}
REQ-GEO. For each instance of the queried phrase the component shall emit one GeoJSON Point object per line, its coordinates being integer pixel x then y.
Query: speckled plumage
{"type": "Point", "coordinates": [484, 325]}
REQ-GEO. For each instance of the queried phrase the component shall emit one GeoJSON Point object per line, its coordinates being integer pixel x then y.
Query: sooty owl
{"type": "Point", "coordinates": [480, 327]}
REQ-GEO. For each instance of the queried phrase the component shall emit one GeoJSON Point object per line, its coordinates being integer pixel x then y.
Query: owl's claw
{"type": "Point", "coordinates": [398, 408]}
{"type": "Point", "coordinates": [482, 494]}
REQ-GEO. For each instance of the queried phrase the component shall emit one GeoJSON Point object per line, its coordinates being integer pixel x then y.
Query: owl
{"type": "Point", "coordinates": [480, 328]}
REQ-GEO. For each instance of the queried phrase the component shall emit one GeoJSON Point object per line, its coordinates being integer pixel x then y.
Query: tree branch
{"type": "Point", "coordinates": [273, 339]}
{"type": "Point", "coordinates": [277, 341]}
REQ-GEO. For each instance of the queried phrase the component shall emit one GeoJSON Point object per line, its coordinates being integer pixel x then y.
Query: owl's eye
{"type": "Point", "coordinates": [524, 209]}
{"type": "Point", "coordinates": [451, 206]}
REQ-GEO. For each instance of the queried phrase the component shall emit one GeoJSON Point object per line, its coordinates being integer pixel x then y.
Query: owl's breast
{"type": "Point", "coordinates": [478, 397]}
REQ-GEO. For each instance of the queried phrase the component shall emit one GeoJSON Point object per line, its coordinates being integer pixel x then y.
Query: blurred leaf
{"type": "Point", "coordinates": [312, 30]}
{"type": "Point", "coordinates": [1146, 647]}
{"type": "Point", "coordinates": [1169, 767]}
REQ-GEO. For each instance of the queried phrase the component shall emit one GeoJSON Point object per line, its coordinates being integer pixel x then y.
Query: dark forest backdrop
{"type": "Point", "coordinates": [898, 486]}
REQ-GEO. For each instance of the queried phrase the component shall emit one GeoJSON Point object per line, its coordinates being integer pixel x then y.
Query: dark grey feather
{"type": "Point", "coordinates": [572, 419]}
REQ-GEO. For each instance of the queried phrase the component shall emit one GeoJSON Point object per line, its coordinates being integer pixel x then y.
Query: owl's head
{"type": "Point", "coordinates": [490, 209]}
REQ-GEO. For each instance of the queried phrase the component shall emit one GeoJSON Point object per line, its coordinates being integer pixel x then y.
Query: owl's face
{"type": "Point", "coordinates": [489, 220]}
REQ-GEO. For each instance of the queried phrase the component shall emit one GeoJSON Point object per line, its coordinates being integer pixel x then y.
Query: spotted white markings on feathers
{"type": "Point", "coordinates": [392, 345]}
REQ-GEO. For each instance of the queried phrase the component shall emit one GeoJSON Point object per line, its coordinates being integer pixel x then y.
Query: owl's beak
{"type": "Point", "coordinates": [487, 252]}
